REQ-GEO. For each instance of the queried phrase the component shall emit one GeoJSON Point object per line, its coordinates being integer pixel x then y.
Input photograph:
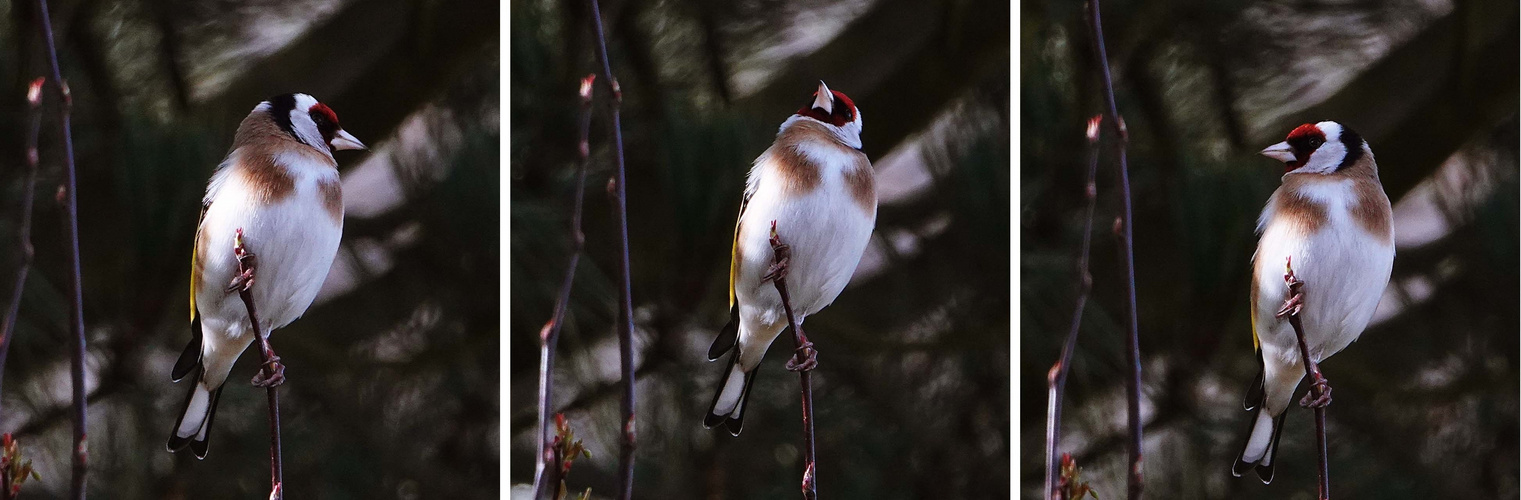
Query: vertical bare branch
{"type": "Point", "coordinates": [28, 192]}
{"type": "Point", "coordinates": [1057, 377]}
{"type": "Point", "coordinates": [802, 362]}
{"type": "Point", "coordinates": [625, 289]}
{"type": "Point", "coordinates": [1320, 390]}
{"type": "Point", "coordinates": [1127, 250]}
{"type": "Point", "coordinates": [549, 336]}
{"type": "Point", "coordinates": [70, 199]}
{"type": "Point", "coordinates": [271, 370]}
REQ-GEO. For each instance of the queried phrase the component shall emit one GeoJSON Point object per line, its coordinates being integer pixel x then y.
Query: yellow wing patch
{"type": "Point", "coordinates": [195, 247]}
{"type": "Point", "coordinates": [734, 251]}
{"type": "Point", "coordinates": [1256, 342]}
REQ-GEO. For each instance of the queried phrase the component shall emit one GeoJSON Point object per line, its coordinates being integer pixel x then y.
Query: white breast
{"type": "Point", "coordinates": [295, 240]}
{"type": "Point", "coordinates": [826, 228]}
{"type": "Point", "coordinates": [1344, 269]}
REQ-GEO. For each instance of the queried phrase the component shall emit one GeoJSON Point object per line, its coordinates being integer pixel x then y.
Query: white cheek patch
{"type": "Point", "coordinates": [1327, 158]}
{"type": "Point", "coordinates": [301, 122]}
{"type": "Point", "coordinates": [306, 129]}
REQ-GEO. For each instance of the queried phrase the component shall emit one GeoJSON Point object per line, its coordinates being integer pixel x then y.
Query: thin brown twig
{"type": "Point", "coordinates": [803, 361]}
{"type": "Point", "coordinates": [549, 336]}
{"type": "Point", "coordinates": [1057, 377]}
{"type": "Point", "coordinates": [69, 197]}
{"type": "Point", "coordinates": [1135, 482]}
{"type": "Point", "coordinates": [269, 365]}
{"type": "Point", "coordinates": [1319, 388]}
{"type": "Point", "coordinates": [28, 193]}
{"type": "Point", "coordinates": [625, 289]}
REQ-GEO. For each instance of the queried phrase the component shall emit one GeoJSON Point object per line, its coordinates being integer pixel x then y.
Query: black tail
{"type": "Point", "coordinates": [1254, 393]}
{"type": "Point", "coordinates": [190, 358]}
{"type": "Point", "coordinates": [1262, 461]}
{"type": "Point", "coordinates": [198, 439]}
{"type": "Point", "coordinates": [732, 416]}
{"type": "Point", "coordinates": [728, 337]}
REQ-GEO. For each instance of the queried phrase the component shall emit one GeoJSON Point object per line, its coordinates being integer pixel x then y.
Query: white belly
{"type": "Point", "coordinates": [827, 231]}
{"type": "Point", "coordinates": [1344, 270]}
{"type": "Point", "coordinates": [294, 241]}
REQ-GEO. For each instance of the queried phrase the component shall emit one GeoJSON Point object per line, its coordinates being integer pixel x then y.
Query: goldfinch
{"type": "Point", "coordinates": [278, 190]}
{"type": "Point", "coordinates": [816, 188]}
{"type": "Point", "coordinates": [1332, 222]}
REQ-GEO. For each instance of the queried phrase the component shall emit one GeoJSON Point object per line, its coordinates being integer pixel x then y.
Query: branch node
{"type": "Point", "coordinates": [586, 88]}
{"type": "Point", "coordinates": [34, 92]}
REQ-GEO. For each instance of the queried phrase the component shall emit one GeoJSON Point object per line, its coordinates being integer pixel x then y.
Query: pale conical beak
{"type": "Point", "coordinates": [344, 140]}
{"type": "Point", "coordinates": [823, 98]}
{"type": "Point", "coordinates": [1281, 152]}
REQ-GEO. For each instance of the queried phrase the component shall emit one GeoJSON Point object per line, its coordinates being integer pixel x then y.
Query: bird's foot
{"type": "Point", "coordinates": [272, 374]}
{"type": "Point", "coordinates": [241, 282]}
{"type": "Point", "coordinates": [778, 269]}
{"type": "Point", "coordinates": [1295, 301]}
{"type": "Point", "coordinates": [244, 279]}
{"type": "Point", "coordinates": [782, 256]}
{"type": "Point", "coordinates": [1292, 306]}
{"type": "Point", "coordinates": [806, 358]}
{"type": "Point", "coordinates": [1322, 387]}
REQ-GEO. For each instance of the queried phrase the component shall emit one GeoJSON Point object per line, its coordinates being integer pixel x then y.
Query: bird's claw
{"type": "Point", "coordinates": [244, 280]}
{"type": "Point", "coordinates": [778, 270]}
{"type": "Point", "coordinates": [806, 358]}
{"type": "Point", "coordinates": [1291, 306]}
{"type": "Point", "coordinates": [781, 257]}
{"type": "Point", "coordinates": [241, 282]}
{"type": "Point", "coordinates": [1311, 401]}
{"type": "Point", "coordinates": [272, 374]}
{"type": "Point", "coordinates": [1295, 301]}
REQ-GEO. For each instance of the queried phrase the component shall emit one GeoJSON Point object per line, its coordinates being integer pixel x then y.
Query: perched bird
{"type": "Point", "coordinates": [277, 191]}
{"type": "Point", "coordinates": [816, 188]}
{"type": "Point", "coordinates": [1330, 221]}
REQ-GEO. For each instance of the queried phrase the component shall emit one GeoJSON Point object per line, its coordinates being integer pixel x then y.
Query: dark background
{"type": "Point", "coordinates": [1426, 402]}
{"type": "Point", "coordinates": [392, 387]}
{"type": "Point", "coordinates": [911, 393]}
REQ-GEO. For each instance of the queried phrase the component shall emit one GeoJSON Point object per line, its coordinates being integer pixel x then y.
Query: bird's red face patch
{"type": "Point", "coordinates": [1304, 140]}
{"type": "Point", "coordinates": [326, 120]}
{"type": "Point", "coordinates": [844, 110]}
